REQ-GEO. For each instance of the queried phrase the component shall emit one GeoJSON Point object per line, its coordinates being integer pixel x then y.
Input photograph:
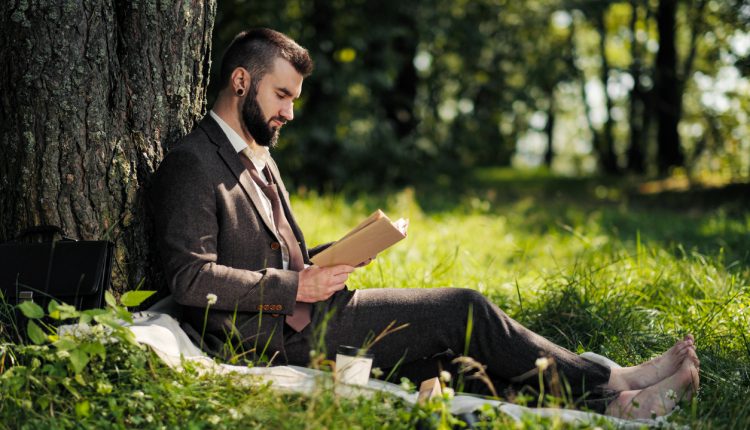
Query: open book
{"type": "Point", "coordinates": [366, 240]}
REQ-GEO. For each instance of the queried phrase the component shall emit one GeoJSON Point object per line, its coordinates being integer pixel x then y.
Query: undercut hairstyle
{"type": "Point", "coordinates": [257, 49]}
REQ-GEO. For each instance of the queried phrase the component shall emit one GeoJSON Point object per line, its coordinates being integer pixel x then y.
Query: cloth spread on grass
{"type": "Point", "coordinates": [172, 345]}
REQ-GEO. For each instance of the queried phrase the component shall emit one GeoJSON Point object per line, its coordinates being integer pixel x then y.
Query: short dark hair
{"type": "Point", "coordinates": [257, 49]}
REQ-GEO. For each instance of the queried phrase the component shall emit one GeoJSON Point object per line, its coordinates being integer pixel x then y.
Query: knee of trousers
{"type": "Point", "coordinates": [472, 299]}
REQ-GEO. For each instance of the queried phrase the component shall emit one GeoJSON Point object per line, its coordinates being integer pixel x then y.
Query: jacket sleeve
{"type": "Point", "coordinates": [184, 204]}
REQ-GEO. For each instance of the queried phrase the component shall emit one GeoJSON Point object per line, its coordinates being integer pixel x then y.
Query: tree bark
{"type": "Point", "coordinates": [607, 156]}
{"type": "Point", "coordinates": [667, 90]}
{"type": "Point", "coordinates": [93, 91]}
{"type": "Point", "coordinates": [549, 130]}
{"type": "Point", "coordinates": [635, 153]}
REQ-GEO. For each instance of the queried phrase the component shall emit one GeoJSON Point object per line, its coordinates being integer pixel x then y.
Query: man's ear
{"type": "Point", "coordinates": [240, 81]}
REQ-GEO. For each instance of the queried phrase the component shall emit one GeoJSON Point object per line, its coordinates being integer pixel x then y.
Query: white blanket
{"type": "Point", "coordinates": [164, 335]}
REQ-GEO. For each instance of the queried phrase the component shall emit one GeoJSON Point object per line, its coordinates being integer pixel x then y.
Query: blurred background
{"type": "Point", "coordinates": [408, 92]}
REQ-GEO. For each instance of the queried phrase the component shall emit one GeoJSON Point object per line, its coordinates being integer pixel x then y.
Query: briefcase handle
{"type": "Point", "coordinates": [47, 232]}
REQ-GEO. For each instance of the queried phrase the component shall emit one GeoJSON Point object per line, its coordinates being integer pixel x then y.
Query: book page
{"type": "Point", "coordinates": [378, 214]}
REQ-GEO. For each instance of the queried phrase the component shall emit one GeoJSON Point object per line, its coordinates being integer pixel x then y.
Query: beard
{"type": "Point", "coordinates": [255, 121]}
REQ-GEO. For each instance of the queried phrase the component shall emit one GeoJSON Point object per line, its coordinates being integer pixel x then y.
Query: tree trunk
{"type": "Point", "coordinates": [607, 156]}
{"type": "Point", "coordinates": [93, 93]}
{"type": "Point", "coordinates": [549, 130]}
{"type": "Point", "coordinates": [635, 154]}
{"type": "Point", "coordinates": [667, 93]}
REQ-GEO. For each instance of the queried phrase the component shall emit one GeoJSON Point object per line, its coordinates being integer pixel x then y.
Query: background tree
{"type": "Point", "coordinates": [406, 92]}
{"type": "Point", "coordinates": [92, 93]}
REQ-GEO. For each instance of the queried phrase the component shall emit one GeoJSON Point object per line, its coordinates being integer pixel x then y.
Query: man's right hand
{"type": "Point", "coordinates": [319, 283]}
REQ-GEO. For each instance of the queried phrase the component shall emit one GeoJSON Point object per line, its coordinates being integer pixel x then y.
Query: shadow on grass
{"type": "Point", "coordinates": [710, 221]}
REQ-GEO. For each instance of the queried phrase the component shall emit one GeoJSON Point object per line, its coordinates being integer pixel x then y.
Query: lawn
{"type": "Point", "coordinates": [589, 263]}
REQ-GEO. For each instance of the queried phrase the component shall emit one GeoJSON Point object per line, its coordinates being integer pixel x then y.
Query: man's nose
{"type": "Point", "coordinates": [287, 112]}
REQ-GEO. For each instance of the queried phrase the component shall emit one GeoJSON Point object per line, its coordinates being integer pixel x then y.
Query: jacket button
{"type": "Point", "coordinates": [275, 246]}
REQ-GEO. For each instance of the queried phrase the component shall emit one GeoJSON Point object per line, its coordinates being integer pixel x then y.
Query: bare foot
{"type": "Point", "coordinates": [659, 399]}
{"type": "Point", "coordinates": [652, 371]}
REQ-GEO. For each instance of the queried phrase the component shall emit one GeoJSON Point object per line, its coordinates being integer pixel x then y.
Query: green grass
{"type": "Point", "coordinates": [582, 261]}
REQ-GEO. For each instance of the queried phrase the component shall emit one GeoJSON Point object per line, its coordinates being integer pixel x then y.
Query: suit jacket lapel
{"type": "Point", "coordinates": [287, 206]}
{"type": "Point", "coordinates": [231, 159]}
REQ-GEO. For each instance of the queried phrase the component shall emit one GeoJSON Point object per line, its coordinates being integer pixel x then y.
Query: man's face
{"type": "Point", "coordinates": [269, 103]}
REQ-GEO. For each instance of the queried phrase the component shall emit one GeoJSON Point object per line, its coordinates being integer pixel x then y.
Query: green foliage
{"type": "Point", "coordinates": [578, 261]}
{"type": "Point", "coordinates": [575, 259]}
{"type": "Point", "coordinates": [135, 298]}
{"type": "Point", "coordinates": [421, 91]}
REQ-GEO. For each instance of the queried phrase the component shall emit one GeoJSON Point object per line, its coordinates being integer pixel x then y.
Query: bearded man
{"type": "Point", "coordinates": [229, 241]}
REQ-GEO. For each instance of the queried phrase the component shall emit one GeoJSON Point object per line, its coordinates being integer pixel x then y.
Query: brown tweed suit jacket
{"type": "Point", "coordinates": [214, 237]}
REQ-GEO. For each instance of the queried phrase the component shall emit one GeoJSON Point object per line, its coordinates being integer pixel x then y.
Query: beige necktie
{"type": "Point", "coordinates": [302, 311]}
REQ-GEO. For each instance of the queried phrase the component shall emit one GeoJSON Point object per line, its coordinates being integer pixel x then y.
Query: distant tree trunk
{"type": "Point", "coordinates": [399, 101]}
{"type": "Point", "coordinates": [607, 156]}
{"type": "Point", "coordinates": [92, 93]}
{"type": "Point", "coordinates": [667, 90]}
{"type": "Point", "coordinates": [635, 154]}
{"type": "Point", "coordinates": [549, 130]}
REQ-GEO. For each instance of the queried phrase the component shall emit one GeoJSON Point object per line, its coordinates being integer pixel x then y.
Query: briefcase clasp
{"type": "Point", "coordinates": [25, 296]}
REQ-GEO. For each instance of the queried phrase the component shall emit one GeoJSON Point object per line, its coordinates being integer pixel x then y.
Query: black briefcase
{"type": "Point", "coordinates": [76, 272]}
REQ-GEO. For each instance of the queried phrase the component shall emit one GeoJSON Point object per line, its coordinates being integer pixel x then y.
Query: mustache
{"type": "Point", "coordinates": [278, 119]}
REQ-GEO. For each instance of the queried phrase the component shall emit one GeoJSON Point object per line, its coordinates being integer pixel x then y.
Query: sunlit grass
{"type": "Point", "coordinates": [622, 280]}
{"type": "Point", "coordinates": [573, 259]}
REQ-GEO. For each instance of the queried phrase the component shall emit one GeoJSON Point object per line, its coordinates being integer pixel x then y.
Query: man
{"type": "Point", "coordinates": [229, 241]}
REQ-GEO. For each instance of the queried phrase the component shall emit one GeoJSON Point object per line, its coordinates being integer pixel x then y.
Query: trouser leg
{"type": "Point", "coordinates": [437, 324]}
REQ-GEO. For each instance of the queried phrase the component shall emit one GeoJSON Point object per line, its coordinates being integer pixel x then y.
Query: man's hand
{"type": "Point", "coordinates": [319, 283]}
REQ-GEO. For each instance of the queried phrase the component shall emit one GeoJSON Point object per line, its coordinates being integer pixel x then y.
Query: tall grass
{"type": "Point", "coordinates": [580, 264]}
{"type": "Point", "coordinates": [576, 260]}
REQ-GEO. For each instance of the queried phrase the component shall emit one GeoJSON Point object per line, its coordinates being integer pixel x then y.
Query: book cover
{"type": "Point", "coordinates": [373, 235]}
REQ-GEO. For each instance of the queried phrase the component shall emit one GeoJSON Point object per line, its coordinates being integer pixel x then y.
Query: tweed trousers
{"type": "Point", "coordinates": [437, 333]}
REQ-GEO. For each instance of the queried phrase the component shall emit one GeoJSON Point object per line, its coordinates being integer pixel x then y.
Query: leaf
{"type": "Point", "coordinates": [110, 299]}
{"type": "Point", "coordinates": [84, 319]}
{"type": "Point", "coordinates": [83, 409]}
{"type": "Point", "coordinates": [52, 309]}
{"type": "Point", "coordinates": [35, 333]}
{"type": "Point", "coordinates": [65, 344]}
{"type": "Point", "coordinates": [79, 360]}
{"type": "Point", "coordinates": [94, 312]}
{"type": "Point", "coordinates": [88, 315]}
{"type": "Point", "coordinates": [92, 348]}
{"type": "Point", "coordinates": [70, 388]}
{"type": "Point", "coordinates": [61, 311]}
{"type": "Point", "coordinates": [31, 310]}
{"type": "Point", "coordinates": [135, 298]}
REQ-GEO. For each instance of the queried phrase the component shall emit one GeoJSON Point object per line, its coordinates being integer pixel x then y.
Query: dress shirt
{"type": "Point", "coordinates": [259, 156]}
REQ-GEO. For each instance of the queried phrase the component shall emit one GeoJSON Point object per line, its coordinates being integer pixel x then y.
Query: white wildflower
{"type": "Point", "coordinates": [671, 394]}
{"type": "Point", "coordinates": [211, 299]}
{"type": "Point", "coordinates": [448, 392]}
{"type": "Point", "coordinates": [234, 414]}
{"type": "Point", "coordinates": [542, 364]}
{"type": "Point", "coordinates": [445, 376]}
{"type": "Point", "coordinates": [376, 372]}
{"type": "Point", "coordinates": [406, 384]}
{"type": "Point", "coordinates": [138, 394]}
{"type": "Point", "coordinates": [214, 419]}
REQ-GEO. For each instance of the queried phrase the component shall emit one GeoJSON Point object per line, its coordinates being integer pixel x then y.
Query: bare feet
{"type": "Point", "coordinates": [655, 370]}
{"type": "Point", "coordinates": [659, 399]}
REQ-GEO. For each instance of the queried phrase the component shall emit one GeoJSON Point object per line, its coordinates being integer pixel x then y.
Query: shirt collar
{"type": "Point", "coordinates": [259, 155]}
